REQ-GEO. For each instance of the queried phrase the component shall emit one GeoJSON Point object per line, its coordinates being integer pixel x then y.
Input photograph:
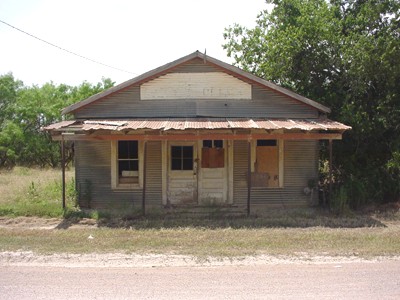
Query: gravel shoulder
{"type": "Point", "coordinates": [118, 260]}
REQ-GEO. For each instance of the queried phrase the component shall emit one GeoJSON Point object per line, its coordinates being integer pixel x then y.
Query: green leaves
{"type": "Point", "coordinates": [25, 109]}
{"type": "Point", "coordinates": [344, 54]}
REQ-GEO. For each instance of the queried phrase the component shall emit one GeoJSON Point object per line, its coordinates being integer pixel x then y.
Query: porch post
{"type": "Point", "coordinates": [144, 178]}
{"type": "Point", "coordinates": [248, 177]}
{"type": "Point", "coordinates": [63, 170]}
{"type": "Point", "coordinates": [330, 169]}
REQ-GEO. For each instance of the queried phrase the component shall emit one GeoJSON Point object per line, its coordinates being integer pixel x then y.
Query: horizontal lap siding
{"type": "Point", "coordinates": [276, 105]}
{"type": "Point", "coordinates": [153, 175]}
{"type": "Point", "coordinates": [264, 103]}
{"type": "Point", "coordinates": [127, 105]}
{"type": "Point", "coordinates": [300, 165]}
{"type": "Point", "coordinates": [240, 172]}
{"type": "Point", "coordinates": [93, 166]}
{"type": "Point", "coordinates": [196, 66]}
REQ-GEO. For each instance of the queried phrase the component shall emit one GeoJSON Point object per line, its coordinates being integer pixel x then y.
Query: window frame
{"type": "Point", "coordinates": [213, 142]}
{"type": "Point", "coordinates": [280, 145]}
{"type": "Point", "coordinates": [115, 184]}
{"type": "Point", "coordinates": [182, 158]}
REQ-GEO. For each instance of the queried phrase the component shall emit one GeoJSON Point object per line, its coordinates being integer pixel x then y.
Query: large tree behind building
{"type": "Point", "coordinates": [25, 109]}
{"type": "Point", "coordinates": [346, 55]}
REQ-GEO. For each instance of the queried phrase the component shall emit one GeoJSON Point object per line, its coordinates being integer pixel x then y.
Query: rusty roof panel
{"type": "Point", "coordinates": [200, 123]}
{"type": "Point", "coordinates": [58, 125]}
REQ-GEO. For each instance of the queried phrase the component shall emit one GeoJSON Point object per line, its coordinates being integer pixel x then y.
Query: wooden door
{"type": "Point", "coordinates": [182, 173]}
{"type": "Point", "coordinates": [213, 174]}
{"type": "Point", "coordinates": [267, 161]}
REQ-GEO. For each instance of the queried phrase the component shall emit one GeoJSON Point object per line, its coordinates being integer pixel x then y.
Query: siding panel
{"type": "Point", "coordinates": [240, 173]}
{"type": "Point", "coordinates": [154, 175]}
{"type": "Point", "coordinates": [264, 103]}
{"type": "Point", "coordinates": [300, 165]}
{"type": "Point", "coordinates": [204, 85]}
{"type": "Point", "coordinates": [93, 178]}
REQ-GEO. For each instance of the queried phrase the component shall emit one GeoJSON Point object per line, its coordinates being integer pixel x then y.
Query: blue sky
{"type": "Point", "coordinates": [132, 35]}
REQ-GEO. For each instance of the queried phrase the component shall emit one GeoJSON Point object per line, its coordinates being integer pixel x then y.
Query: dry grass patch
{"type": "Point", "coordinates": [33, 192]}
{"type": "Point", "coordinates": [204, 242]}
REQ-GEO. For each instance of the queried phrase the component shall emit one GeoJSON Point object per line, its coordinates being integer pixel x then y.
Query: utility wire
{"type": "Point", "coordinates": [66, 50]}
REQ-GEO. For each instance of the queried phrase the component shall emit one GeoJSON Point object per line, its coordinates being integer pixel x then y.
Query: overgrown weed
{"type": "Point", "coordinates": [34, 192]}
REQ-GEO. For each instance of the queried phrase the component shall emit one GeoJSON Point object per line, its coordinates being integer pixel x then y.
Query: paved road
{"type": "Point", "coordinates": [371, 280]}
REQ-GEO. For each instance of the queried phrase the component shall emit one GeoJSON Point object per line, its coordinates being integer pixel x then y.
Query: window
{"type": "Point", "coordinates": [212, 154]}
{"type": "Point", "coordinates": [213, 144]}
{"type": "Point", "coordinates": [126, 164]}
{"type": "Point", "coordinates": [266, 143]}
{"type": "Point", "coordinates": [268, 165]}
{"type": "Point", "coordinates": [181, 157]}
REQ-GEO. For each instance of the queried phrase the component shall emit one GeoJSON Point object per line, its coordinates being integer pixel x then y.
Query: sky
{"type": "Point", "coordinates": [136, 35]}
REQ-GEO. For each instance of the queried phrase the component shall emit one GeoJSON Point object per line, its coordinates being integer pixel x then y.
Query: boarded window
{"type": "Point", "coordinates": [181, 157]}
{"type": "Point", "coordinates": [213, 154]}
{"type": "Point", "coordinates": [128, 162]}
{"type": "Point", "coordinates": [267, 164]}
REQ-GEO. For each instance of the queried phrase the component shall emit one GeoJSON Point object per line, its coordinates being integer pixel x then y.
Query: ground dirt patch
{"type": "Point", "coordinates": [46, 223]}
{"type": "Point", "coordinates": [118, 260]}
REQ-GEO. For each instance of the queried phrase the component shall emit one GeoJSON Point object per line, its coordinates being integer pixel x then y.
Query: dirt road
{"type": "Point", "coordinates": [348, 280]}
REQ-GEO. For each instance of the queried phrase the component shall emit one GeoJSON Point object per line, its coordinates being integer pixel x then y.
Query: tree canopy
{"type": "Point", "coordinates": [344, 54]}
{"type": "Point", "coordinates": [25, 109]}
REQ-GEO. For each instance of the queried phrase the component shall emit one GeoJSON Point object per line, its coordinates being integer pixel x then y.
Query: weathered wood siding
{"type": "Point", "coordinates": [93, 178]}
{"type": "Point", "coordinates": [153, 175]}
{"type": "Point", "coordinates": [240, 169]}
{"type": "Point", "coordinates": [204, 85]}
{"type": "Point", "coordinates": [264, 103]}
{"type": "Point", "coordinates": [300, 165]}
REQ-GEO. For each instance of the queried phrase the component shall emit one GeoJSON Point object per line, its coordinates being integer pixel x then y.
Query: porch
{"type": "Point", "coordinates": [194, 162]}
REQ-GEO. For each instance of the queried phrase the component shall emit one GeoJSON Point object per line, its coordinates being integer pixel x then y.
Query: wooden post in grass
{"type": "Point", "coordinates": [144, 178]}
{"type": "Point", "coordinates": [248, 177]}
{"type": "Point", "coordinates": [63, 170]}
{"type": "Point", "coordinates": [330, 170]}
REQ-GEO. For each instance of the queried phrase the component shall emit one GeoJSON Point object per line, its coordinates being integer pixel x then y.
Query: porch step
{"type": "Point", "coordinates": [194, 210]}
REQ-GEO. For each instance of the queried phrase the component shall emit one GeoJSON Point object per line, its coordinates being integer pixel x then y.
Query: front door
{"type": "Point", "coordinates": [182, 173]}
{"type": "Point", "coordinates": [213, 173]}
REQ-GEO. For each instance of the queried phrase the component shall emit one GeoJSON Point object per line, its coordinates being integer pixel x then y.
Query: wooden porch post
{"type": "Point", "coordinates": [63, 170]}
{"type": "Point", "coordinates": [330, 169]}
{"type": "Point", "coordinates": [144, 178]}
{"type": "Point", "coordinates": [248, 177]}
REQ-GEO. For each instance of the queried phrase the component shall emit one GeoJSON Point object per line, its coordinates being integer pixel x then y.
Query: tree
{"type": "Point", "coordinates": [346, 55]}
{"type": "Point", "coordinates": [26, 109]}
{"type": "Point", "coordinates": [8, 95]}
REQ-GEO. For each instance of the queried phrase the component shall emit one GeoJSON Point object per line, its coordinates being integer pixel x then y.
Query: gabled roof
{"type": "Point", "coordinates": [227, 67]}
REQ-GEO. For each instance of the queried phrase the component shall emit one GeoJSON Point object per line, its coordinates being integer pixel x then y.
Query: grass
{"type": "Point", "coordinates": [34, 192]}
{"type": "Point", "coordinates": [204, 242]}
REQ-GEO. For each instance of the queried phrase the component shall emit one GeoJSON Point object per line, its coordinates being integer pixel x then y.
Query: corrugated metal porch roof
{"type": "Point", "coordinates": [166, 124]}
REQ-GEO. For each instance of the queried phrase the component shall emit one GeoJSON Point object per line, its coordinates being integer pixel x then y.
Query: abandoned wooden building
{"type": "Point", "coordinates": [196, 132]}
